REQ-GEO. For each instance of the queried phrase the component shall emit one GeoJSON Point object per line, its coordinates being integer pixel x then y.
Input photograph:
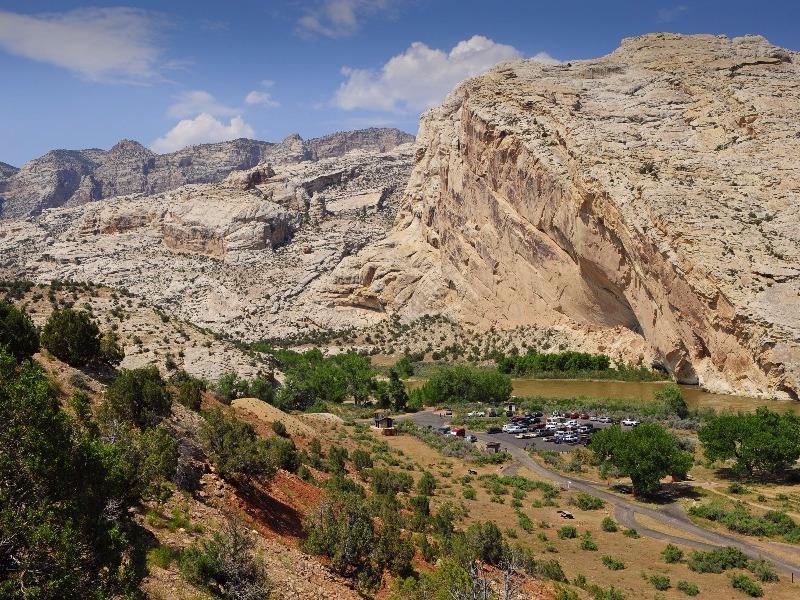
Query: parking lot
{"type": "Point", "coordinates": [438, 419]}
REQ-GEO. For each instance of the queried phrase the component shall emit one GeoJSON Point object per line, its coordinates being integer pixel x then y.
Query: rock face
{"type": "Point", "coordinates": [74, 177]}
{"type": "Point", "coordinates": [654, 192]}
{"type": "Point", "coordinates": [241, 257]}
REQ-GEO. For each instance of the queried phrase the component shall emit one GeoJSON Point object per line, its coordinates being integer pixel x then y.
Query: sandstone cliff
{"type": "Point", "coordinates": [651, 193]}
{"type": "Point", "coordinates": [74, 177]}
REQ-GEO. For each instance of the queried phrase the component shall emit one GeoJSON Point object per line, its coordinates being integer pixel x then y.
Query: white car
{"type": "Point", "coordinates": [480, 413]}
{"type": "Point", "coordinates": [516, 429]}
{"type": "Point", "coordinates": [630, 422]}
{"type": "Point", "coordinates": [471, 414]}
{"type": "Point", "coordinates": [572, 423]}
{"type": "Point", "coordinates": [605, 419]}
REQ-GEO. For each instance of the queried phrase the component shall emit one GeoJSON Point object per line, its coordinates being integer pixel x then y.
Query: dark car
{"type": "Point", "coordinates": [493, 429]}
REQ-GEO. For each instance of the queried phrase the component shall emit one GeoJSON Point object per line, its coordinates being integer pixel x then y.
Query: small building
{"type": "Point", "coordinates": [493, 447]}
{"type": "Point", "coordinates": [385, 424]}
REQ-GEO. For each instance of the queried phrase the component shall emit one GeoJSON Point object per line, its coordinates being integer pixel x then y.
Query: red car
{"type": "Point", "coordinates": [584, 416]}
{"type": "Point", "coordinates": [573, 415]}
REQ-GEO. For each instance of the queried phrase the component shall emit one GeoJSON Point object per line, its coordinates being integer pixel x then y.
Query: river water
{"type": "Point", "coordinates": [694, 396]}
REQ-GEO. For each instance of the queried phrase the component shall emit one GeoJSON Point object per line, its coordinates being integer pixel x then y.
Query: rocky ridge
{"type": "Point", "coordinates": [239, 257]}
{"type": "Point", "coordinates": [650, 194]}
{"type": "Point", "coordinates": [75, 177]}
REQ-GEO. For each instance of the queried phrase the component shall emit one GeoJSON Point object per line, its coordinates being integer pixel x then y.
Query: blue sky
{"type": "Point", "coordinates": [173, 73]}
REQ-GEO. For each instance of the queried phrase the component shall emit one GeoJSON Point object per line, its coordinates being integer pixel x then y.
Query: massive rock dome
{"type": "Point", "coordinates": [653, 193]}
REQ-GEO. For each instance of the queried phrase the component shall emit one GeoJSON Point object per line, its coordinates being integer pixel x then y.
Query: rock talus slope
{"type": "Point", "coordinates": [653, 193]}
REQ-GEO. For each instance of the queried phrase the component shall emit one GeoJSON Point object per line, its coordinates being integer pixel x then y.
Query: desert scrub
{"type": "Point", "coordinates": [672, 554]}
{"type": "Point", "coordinates": [614, 564]}
{"type": "Point", "coordinates": [717, 561]}
{"type": "Point", "coordinates": [609, 525]}
{"type": "Point", "coordinates": [688, 588]}
{"type": "Point", "coordinates": [588, 502]}
{"type": "Point", "coordinates": [587, 543]}
{"type": "Point", "coordinates": [469, 492]}
{"type": "Point", "coordinates": [746, 585]}
{"type": "Point", "coordinates": [631, 533]}
{"type": "Point", "coordinates": [660, 582]}
{"type": "Point", "coordinates": [567, 532]}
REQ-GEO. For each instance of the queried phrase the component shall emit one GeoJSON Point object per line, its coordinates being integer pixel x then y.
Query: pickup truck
{"type": "Point", "coordinates": [630, 422]}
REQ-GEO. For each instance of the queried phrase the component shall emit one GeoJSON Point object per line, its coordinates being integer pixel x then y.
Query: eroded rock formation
{"type": "Point", "coordinates": [75, 177]}
{"type": "Point", "coordinates": [653, 192]}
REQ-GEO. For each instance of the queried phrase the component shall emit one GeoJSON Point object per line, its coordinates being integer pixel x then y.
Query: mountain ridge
{"type": "Point", "coordinates": [74, 177]}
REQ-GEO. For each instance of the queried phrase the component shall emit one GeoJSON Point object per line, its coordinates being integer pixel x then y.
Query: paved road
{"type": "Point", "coordinates": [625, 510]}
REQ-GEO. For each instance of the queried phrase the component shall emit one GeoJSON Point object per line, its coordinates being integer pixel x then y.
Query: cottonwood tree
{"type": "Point", "coordinates": [760, 442]}
{"type": "Point", "coordinates": [645, 453]}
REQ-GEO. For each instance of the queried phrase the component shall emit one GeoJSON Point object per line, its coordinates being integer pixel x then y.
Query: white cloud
{"type": "Point", "coordinates": [195, 102]}
{"type": "Point", "coordinates": [422, 76]}
{"type": "Point", "coordinates": [98, 44]}
{"type": "Point", "coordinates": [340, 18]}
{"type": "Point", "coordinates": [262, 97]}
{"type": "Point", "coordinates": [667, 15]}
{"type": "Point", "coordinates": [202, 129]}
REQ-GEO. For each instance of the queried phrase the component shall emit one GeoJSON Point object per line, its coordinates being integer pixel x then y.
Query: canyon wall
{"type": "Point", "coordinates": [652, 193]}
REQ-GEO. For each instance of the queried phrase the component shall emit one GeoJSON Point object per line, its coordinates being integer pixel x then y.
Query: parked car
{"type": "Point", "coordinates": [480, 413]}
{"type": "Point", "coordinates": [570, 438]}
{"type": "Point", "coordinates": [583, 416]}
{"type": "Point", "coordinates": [565, 514]}
{"type": "Point", "coordinates": [630, 422]}
{"type": "Point", "coordinates": [605, 419]}
{"type": "Point", "coordinates": [593, 417]}
{"type": "Point", "coordinates": [572, 423]}
{"type": "Point", "coordinates": [443, 429]}
{"type": "Point", "coordinates": [458, 431]}
{"type": "Point", "coordinates": [471, 438]}
{"type": "Point", "coordinates": [573, 415]}
{"type": "Point", "coordinates": [448, 412]}
{"type": "Point", "coordinates": [516, 429]}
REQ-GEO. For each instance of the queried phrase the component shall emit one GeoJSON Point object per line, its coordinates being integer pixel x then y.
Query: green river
{"type": "Point", "coordinates": [695, 397]}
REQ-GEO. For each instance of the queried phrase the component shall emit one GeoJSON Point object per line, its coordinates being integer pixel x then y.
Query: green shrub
{"type": "Point", "coordinates": [587, 543]}
{"type": "Point", "coordinates": [72, 336]}
{"type": "Point", "coordinates": [525, 522]}
{"type": "Point", "coordinates": [688, 588]}
{"type": "Point", "coordinates": [746, 585]}
{"type": "Point", "coordinates": [139, 397]}
{"type": "Point", "coordinates": [161, 557]}
{"type": "Point", "coordinates": [361, 459]}
{"type": "Point", "coordinates": [672, 554]}
{"type": "Point", "coordinates": [614, 564]}
{"type": "Point", "coordinates": [609, 525]}
{"type": "Point", "coordinates": [763, 570]}
{"type": "Point", "coordinates": [737, 488]}
{"type": "Point", "coordinates": [567, 532]}
{"type": "Point", "coordinates": [588, 502]}
{"type": "Point", "coordinates": [279, 428]}
{"type": "Point", "coordinates": [660, 582]}
{"type": "Point", "coordinates": [716, 561]}
{"type": "Point", "coordinates": [469, 492]}
{"type": "Point", "coordinates": [631, 533]}
{"type": "Point", "coordinates": [17, 332]}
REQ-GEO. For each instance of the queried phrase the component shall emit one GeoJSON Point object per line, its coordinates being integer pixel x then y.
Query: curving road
{"type": "Point", "coordinates": [625, 510]}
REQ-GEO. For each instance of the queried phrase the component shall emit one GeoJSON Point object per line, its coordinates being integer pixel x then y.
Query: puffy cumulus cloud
{"type": "Point", "coordinates": [422, 76]}
{"type": "Point", "coordinates": [98, 44]}
{"type": "Point", "coordinates": [340, 18]}
{"type": "Point", "coordinates": [202, 129]}
{"type": "Point", "coordinates": [196, 102]}
{"type": "Point", "coordinates": [262, 97]}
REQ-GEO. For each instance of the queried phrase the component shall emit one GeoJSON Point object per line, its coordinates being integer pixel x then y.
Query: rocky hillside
{"type": "Point", "coordinates": [75, 177]}
{"type": "Point", "coordinates": [652, 193]}
{"type": "Point", "coordinates": [240, 257]}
